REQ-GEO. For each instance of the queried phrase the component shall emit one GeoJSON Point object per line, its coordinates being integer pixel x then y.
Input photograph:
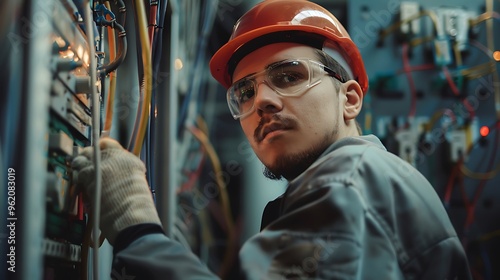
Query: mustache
{"type": "Point", "coordinates": [279, 121]}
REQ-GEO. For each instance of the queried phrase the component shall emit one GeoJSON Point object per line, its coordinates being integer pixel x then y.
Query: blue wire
{"type": "Point", "coordinates": [157, 52]}
{"type": "Point", "coordinates": [194, 88]}
{"type": "Point", "coordinates": [487, 264]}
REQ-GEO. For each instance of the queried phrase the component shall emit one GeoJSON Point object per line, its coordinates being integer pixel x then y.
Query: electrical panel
{"type": "Point", "coordinates": [48, 39]}
{"type": "Point", "coordinates": [69, 130]}
{"type": "Point", "coordinates": [435, 103]}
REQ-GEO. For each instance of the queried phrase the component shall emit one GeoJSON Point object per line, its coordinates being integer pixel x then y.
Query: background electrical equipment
{"type": "Point", "coordinates": [434, 100]}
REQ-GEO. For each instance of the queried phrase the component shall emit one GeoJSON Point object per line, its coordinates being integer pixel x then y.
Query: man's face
{"type": "Point", "coordinates": [288, 133]}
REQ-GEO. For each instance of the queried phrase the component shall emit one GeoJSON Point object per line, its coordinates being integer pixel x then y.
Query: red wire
{"type": "Point", "coordinates": [450, 114]}
{"type": "Point", "coordinates": [407, 69]}
{"type": "Point", "coordinates": [482, 184]}
{"type": "Point", "coordinates": [469, 108]}
{"type": "Point", "coordinates": [456, 92]}
{"type": "Point", "coordinates": [193, 176]}
{"type": "Point", "coordinates": [153, 10]}
{"type": "Point", "coordinates": [453, 87]}
{"type": "Point", "coordinates": [450, 184]}
{"type": "Point", "coordinates": [470, 206]}
{"type": "Point", "coordinates": [421, 67]}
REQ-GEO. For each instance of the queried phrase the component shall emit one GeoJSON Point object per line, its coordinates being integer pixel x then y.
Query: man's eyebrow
{"type": "Point", "coordinates": [266, 68]}
{"type": "Point", "coordinates": [275, 63]}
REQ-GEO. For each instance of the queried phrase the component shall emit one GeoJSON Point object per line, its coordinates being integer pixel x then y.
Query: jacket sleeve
{"type": "Point", "coordinates": [155, 256]}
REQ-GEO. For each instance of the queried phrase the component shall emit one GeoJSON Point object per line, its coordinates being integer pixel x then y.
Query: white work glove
{"type": "Point", "coordinates": [126, 199]}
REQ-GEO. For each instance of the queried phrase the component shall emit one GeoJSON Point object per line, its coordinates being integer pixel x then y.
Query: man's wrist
{"type": "Point", "coordinates": [132, 233]}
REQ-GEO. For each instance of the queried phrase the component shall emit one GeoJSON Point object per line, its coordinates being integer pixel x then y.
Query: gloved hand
{"type": "Point", "coordinates": [126, 199]}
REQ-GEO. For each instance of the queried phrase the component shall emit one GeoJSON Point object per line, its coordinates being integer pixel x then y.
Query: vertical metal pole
{"type": "Point", "coordinates": [36, 28]}
{"type": "Point", "coordinates": [165, 161]}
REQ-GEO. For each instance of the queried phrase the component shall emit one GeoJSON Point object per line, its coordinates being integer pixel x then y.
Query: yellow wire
{"type": "Point", "coordinates": [458, 55]}
{"type": "Point", "coordinates": [485, 68]}
{"type": "Point", "coordinates": [468, 136]}
{"type": "Point", "coordinates": [202, 124]}
{"type": "Point", "coordinates": [224, 198]}
{"type": "Point", "coordinates": [490, 235]}
{"type": "Point", "coordinates": [480, 176]}
{"type": "Point", "coordinates": [112, 76]}
{"type": "Point", "coordinates": [436, 116]}
{"type": "Point", "coordinates": [421, 40]}
{"type": "Point", "coordinates": [393, 27]}
{"type": "Point", "coordinates": [483, 17]}
{"type": "Point", "coordinates": [148, 74]}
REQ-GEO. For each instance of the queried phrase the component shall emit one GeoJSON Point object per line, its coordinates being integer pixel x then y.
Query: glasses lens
{"type": "Point", "coordinates": [241, 96]}
{"type": "Point", "coordinates": [289, 76]}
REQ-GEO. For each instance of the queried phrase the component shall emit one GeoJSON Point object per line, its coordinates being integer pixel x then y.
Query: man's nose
{"type": "Point", "coordinates": [267, 100]}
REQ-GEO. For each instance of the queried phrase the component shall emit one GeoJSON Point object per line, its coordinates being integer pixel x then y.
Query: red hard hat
{"type": "Point", "coordinates": [272, 17]}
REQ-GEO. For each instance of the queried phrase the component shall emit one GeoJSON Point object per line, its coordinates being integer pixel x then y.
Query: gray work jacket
{"type": "Point", "coordinates": [359, 212]}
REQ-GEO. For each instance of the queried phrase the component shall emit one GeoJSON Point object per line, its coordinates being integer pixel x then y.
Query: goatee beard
{"type": "Point", "coordinates": [292, 165]}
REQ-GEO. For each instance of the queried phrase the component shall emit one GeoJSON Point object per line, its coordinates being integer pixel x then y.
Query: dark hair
{"type": "Point", "coordinates": [331, 63]}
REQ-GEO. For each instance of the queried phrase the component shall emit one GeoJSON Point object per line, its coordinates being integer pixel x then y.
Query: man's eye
{"type": "Point", "coordinates": [246, 93]}
{"type": "Point", "coordinates": [287, 79]}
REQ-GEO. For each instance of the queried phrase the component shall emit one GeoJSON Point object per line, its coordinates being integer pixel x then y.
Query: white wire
{"type": "Point", "coordinates": [95, 139]}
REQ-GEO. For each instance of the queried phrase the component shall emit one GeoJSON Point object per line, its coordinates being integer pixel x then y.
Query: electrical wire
{"type": "Point", "coordinates": [483, 17]}
{"type": "Point", "coordinates": [394, 27]}
{"type": "Point", "coordinates": [147, 144]}
{"type": "Point", "coordinates": [490, 235]}
{"type": "Point", "coordinates": [413, 91]}
{"type": "Point", "coordinates": [122, 9]}
{"type": "Point", "coordinates": [122, 47]}
{"type": "Point", "coordinates": [420, 40]}
{"type": "Point", "coordinates": [423, 67]}
{"type": "Point", "coordinates": [95, 136]}
{"type": "Point", "coordinates": [478, 175]}
{"type": "Point", "coordinates": [148, 77]}
{"type": "Point", "coordinates": [185, 114]}
{"type": "Point", "coordinates": [112, 77]}
{"type": "Point", "coordinates": [479, 71]}
{"type": "Point", "coordinates": [454, 87]}
{"type": "Point", "coordinates": [486, 263]}
{"type": "Point", "coordinates": [224, 198]}
{"type": "Point", "coordinates": [489, 174]}
{"type": "Point", "coordinates": [458, 54]}
{"type": "Point", "coordinates": [458, 168]}
{"type": "Point", "coordinates": [437, 115]}
{"type": "Point", "coordinates": [451, 83]}
{"type": "Point", "coordinates": [450, 184]}
{"type": "Point", "coordinates": [193, 176]}
{"type": "Point", "coordinates": [88, 243]}
{"type": "Point", "coordinates": [470, 205]}
{"type": "Point", "coordinates": [153, 12]}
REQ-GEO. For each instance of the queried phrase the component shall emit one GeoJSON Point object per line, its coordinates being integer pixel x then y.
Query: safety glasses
{"type": "Point", "coordinates": [291, 77]}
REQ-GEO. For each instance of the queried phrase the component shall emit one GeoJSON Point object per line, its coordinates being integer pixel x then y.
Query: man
{"type": "Point", "coordinates": [351, 210]}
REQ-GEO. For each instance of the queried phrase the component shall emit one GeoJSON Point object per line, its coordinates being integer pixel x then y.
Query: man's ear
{"type": "Point", "coordinates": [354, 99]}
